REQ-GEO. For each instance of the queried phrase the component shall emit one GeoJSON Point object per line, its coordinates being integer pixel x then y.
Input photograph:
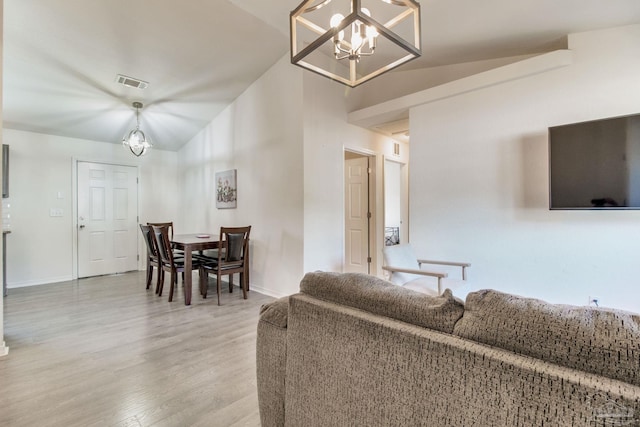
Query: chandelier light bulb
{"type": "Point", "coordinates": [371, 31]}
{"type": "Point", "coordinates": [354, 37]}
{"type": "Point", "coordinates": [356, 40]}
{"type": "Point", "coordinates": [336, 20]}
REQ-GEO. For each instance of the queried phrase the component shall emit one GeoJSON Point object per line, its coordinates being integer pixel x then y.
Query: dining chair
{"type": "Point", "coordinates": [152, 252]}
{"type": "Point", "coordinates": [232, 258]}
{"type": "Point", "coordinates": [168, 261]}
{"type": "Point", "coordinates": [170, 225]}
{"type": "Point", "coordinates": [176, 252]}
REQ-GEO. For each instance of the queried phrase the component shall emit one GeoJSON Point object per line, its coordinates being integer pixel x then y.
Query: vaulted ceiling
{"type": "Point", "coordinates": [61, 57]}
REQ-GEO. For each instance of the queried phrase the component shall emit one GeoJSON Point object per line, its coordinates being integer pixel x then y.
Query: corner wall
{"type": "Point", "coordinates": [260, 135]}
{"type": "Point", "coordinates": [286, 136]}
{"type": "Point", "coordinates": [479, 180]}
{"type": "Point", "coordinates": [326, 136]}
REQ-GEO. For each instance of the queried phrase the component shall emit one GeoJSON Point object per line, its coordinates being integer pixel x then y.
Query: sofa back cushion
{"type": "Point", "coordinates": [380, 297]}
{"type": "Point", "coordinates": [597, 340]}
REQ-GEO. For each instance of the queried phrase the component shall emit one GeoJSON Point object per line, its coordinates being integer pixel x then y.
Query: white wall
{"type": "Point", "coordinates": [40, 248]}
{"type": "Point", "coordinates": [479, 184]}
{"type": "Point", "coordinates": [392, 193]}
{"type": "Point", "coordinates": [3, 348]}
{"type": "Point", "coordinates": [286, 136]}
{"type": "Point", "coordinates": [406, 80]}
{"type": "Point", "coordinates": [326, 135]}
{"type": "Point", "coordinates": [260, 135]}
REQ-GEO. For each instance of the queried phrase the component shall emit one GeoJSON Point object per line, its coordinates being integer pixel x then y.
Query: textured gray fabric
{"type": "Point", "coordinates": [597, 340]}
{"type": "Point", "coordinates": [348, 367]}
{"type": "Point", "coordinates": [271, 358]}
{"type": "Point", "coordinates": [381, 297]}
{"type": "Point", "coordinates": [275, 312]}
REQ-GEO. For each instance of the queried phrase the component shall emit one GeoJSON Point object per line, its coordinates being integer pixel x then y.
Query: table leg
{"type": "Point", "coordinates": [187, 276]}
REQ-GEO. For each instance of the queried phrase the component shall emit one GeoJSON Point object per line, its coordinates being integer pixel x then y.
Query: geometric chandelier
{"type": "Point", "coordinates": [352, 41]}
{"type": "Point", "coordinates": [136, 140]}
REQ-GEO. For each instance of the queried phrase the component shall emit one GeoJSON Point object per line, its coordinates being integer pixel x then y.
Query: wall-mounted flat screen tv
{"type": "Point", "coordinates": [595, 165]}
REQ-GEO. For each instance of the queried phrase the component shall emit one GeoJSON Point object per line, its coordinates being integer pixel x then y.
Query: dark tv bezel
{"type": "Point", "coordinates": [589, 208]}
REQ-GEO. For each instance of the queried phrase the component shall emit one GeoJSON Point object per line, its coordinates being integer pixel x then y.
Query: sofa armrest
{"type": "Point", "coordinates": [271, 357]}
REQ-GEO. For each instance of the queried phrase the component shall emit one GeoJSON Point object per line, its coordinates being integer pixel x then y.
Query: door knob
{"type": "Point", "coordinates": [81, 225]}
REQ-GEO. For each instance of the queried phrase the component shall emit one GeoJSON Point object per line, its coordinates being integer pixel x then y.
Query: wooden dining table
{"type": "Point", "coordinates": [189, 243]}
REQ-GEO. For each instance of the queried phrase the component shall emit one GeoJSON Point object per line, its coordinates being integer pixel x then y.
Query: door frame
{"type": "Point", "coordinates": [74, 207]}
{"type": "Point", "coordinates": [374, 235]}
{"type": "Point", "coordinates": [404, 197]}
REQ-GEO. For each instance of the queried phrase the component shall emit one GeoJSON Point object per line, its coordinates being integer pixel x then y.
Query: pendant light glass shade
{"type": "Point", "coordinates": [136, 140]}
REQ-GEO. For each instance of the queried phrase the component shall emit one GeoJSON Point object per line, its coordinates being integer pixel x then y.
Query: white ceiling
{"type": "Point", "coordinates": [61, 57]}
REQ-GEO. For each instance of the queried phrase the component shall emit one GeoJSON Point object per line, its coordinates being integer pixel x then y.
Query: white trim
{"type": "Point", "coordinates": [266, 292]}
{"type": "Point", "coordinates": [359, 151]}
{"type": "Point", "coordinates": [373, 207]}
{"type": "Point", "coordinates": [37, 282]}
{"type": "Point", "coordinates": [74, 208]}
{"type": "Point", "coordinates": [392, 109]}
{"type": "Point", "coordinates": [74, 219]}
{"type": "Point", "coordinates": [4, 350]}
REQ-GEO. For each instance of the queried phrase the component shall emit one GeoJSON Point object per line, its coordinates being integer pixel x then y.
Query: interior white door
{"type": "Point", "coordinates": [107, 219]}
{"type": "Point", "coordinates": [357, 215]}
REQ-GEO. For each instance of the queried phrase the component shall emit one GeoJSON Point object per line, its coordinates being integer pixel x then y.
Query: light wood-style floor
{"type": "Point", "coordinates": [106, 352]}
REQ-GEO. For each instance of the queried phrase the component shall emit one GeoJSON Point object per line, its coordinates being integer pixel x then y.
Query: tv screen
{"type": "Point", "coordinates": [595, 165]}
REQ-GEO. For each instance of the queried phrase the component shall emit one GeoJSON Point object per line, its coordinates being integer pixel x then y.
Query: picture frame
{"type": "Point", "coordinates": [226, 189]}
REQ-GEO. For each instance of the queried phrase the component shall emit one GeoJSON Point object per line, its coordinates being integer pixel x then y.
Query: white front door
{"type": "Point", "coordinates": [107, 219]}
{"type": "Point", "coordinates": [357, 215]}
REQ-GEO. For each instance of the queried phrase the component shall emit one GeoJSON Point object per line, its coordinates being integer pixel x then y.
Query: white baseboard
{"type": "Point", "coordinates": [4, 350]}
{"type": "Point", "coordinates": [39, 282]}
{"type": "Point", "coordinates": [266, 292]}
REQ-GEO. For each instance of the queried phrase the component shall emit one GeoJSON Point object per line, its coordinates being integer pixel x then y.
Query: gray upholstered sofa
{"type": "Point", "coordinates": [353, 350]}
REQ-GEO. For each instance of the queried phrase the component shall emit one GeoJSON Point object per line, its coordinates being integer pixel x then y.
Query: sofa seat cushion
{"type": "Point", "coordinates": [597, 340]}
{"type": "Point", "coordinates": [381, 297]}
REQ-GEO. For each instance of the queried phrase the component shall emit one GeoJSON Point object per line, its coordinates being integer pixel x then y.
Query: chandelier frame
{"type": "Point", "coordinates": [141, 144]}
{"type": "Point", "coordinates": [356, 77]}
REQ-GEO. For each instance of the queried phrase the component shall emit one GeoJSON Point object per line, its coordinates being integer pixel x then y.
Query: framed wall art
{"type": "Point", "coordinates": [226, 189]}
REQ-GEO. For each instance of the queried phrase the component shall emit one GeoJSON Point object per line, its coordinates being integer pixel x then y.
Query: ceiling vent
{"type": "Point", "coordinates": [131, 82]}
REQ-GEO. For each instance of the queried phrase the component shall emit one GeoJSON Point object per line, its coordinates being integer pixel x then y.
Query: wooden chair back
{"type": "Point", "coordinates": [147, 233]}
{"type": "Point", "coordinates": [233, 257]}
{"type": "Point", "coordinates": [234, 243]}
{"type": "Point", "coordinates": [163, 224]}
{"type": "Point", "coordinates": [163, 244]}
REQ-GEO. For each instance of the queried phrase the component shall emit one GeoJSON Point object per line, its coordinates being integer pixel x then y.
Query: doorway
{"type": "Point", "coordinates": [358, 215]}
{"type": "Point", "coordinates": [107, 219]}
{"type": "Point", "coordinates": [396, 203]}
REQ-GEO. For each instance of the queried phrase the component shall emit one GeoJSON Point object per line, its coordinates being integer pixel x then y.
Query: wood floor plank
{"type": "Point", "coordinates": [105, 351]}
